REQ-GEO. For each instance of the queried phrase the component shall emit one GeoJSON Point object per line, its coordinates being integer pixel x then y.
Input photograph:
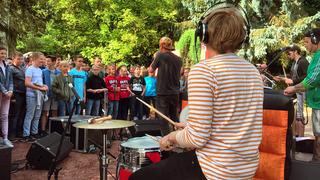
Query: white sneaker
{"type": "Point", "coordinates": [135, 118]}
{"type": "Point", "coordinates": [7, 143]}
{"type": "Point", "coordinates": [144, 117]}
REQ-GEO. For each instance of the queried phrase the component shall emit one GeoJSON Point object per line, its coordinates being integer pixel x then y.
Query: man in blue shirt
{"type": "Point", "coordinates": [79, 81]}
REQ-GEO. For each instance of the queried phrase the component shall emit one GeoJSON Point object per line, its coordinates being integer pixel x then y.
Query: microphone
{"type": "Point", "coordinates": [74, 91]}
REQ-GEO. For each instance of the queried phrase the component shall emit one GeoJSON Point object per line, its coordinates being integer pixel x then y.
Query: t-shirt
{"type": "Point", "coordinates": [136, 84]}
{"type": "Point", "coordinates": [111, 84]}
{"type": "Point", "coordinates": [79, 81]}
{"type": "Point", "coordinates": [95, 82]}
{"type": "Point", "coordinates": [124, 83]}
{"type": "Point", "coordinates": [151, 83]}
{"type": "Point", "coordinates": [169, 66]}
{"type": "Point", "coordinates": [35, 73]}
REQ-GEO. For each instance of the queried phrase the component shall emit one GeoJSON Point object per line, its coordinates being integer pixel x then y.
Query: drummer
{"type": "Point", "coordinates": [224, 124]}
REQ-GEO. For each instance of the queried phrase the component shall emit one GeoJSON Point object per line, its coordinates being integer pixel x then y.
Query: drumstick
{"type": "Point", "coordinates": [99, 120]}
{"type": "Point", "coordinates": [153, 137]}
{"type": "Point", "coordinates": [158, 112]}
{"type": "Point", "coordinates": [284, 72]}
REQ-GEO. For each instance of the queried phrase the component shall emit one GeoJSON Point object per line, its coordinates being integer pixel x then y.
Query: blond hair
{"type": "Point", "coordinates": [36, 55]}
{"type": "Point", "coordinates": [64, 63]}
{"type": "Point", "coordinates": [226, 29]}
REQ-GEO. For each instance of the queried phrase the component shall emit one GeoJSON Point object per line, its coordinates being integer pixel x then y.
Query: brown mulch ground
{"type": "Point", "coordinates": [79, 166]}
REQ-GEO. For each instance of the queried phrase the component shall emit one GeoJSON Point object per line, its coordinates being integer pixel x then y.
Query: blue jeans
{"type": "Point", "coordinates": [78, 106]}
{"type": "Point", "coordinates": [32, 117]}
{"type": "Point", "coordinates": [93, 107]}
{"type": "Point", "coordinates": [63, 107]}
{"type": "Point", "coordinates": [113, 109]}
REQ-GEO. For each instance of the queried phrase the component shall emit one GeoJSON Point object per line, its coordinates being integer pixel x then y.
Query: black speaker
{"type": "Point", "coordinates": [5, 162]}
{"type": "Point", "coordinates": [42, 151]}
{"type": "Point", "coordinates": [143, 127]}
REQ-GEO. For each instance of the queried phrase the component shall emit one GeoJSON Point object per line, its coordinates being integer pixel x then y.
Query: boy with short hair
{"type": "Point", "coordinates": [61, 89]}
{"type": "Point", "coordinates": [35, 87]}
{"type": "Point", "coordinates": [95, 91]}
{"type": "Point", "coordinates": [19, 94]}
{"type": "Point", "coordinates": [113, 87]}
{"type": "Point", "coordinates": [150, 94]}
{"type": "Point", "coordinates": [137, 89]}
{"type": "Point", "coordinates": [79, 82]}
{"type": "Point", "coordinates": [51, 105]}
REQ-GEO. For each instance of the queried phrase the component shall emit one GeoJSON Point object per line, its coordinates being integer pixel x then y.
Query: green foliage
{"type": "Point", "coordinates": [118, 31]}
{"type": "Point", "coordinates": [274, 24]}
{"type": "Point", "coordinates": [186, 45]}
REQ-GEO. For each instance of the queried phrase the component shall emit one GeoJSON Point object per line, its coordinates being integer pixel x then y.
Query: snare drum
{"type": "Point", "coordinates": [134, 154]}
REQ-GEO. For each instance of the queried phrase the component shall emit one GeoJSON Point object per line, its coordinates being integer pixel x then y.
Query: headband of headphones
{"type": "Point", "coordinates": [202, 27]}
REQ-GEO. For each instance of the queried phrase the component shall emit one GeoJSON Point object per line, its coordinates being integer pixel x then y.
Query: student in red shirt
{"type": "Point", "coordinates": [113, 87]}
{"type": "Point", "coordinates": [124, 101]}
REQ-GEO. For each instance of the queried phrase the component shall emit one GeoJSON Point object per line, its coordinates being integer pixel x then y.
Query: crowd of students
{"type": "Point", "coordinates": [41, 88]}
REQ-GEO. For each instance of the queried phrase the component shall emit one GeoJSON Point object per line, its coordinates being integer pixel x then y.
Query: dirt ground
{"type": "Point", "coordinates": [80, 166]}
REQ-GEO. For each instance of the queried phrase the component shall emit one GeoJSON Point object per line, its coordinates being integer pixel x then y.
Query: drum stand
{"type": "Point", "coordinates": [104, 161]}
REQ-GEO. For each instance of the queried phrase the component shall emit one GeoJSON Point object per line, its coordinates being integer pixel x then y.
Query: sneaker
{"type": "Point", "coordinates": [35, 136]}
{"type": "Point", "coordinates": [7, 143]}
{"type": "Point", "coordinates": [135, 118]}
{"type": "Point", "coordinates": [144, 117]}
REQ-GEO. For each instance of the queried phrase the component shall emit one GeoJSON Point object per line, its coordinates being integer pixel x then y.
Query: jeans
{"type": "Point", "coordinates": [78, 106]}
{"type": "Point", "coordinates": [149, 99]}
{"type": "Point", "coordinates": [63, 108]}
{"type": "Point", "coordinates": [316, 122]}
{"type": "Point", "coordinates": [32, 117]}
{"type": "Point", "coordinates": [123, 108]}
{"type": "Point", "coordinates": [19, 114]}
{"type": "Point", "coordinates": [4, 112]}
{"type": "Point", "coordinates": [168, 105]}
{"type": "Point", "coordinates": [136, 107]}
{"type": "Point", "coordinates": [93, 107]}
{"type": "Point", "coordinates": [300, 103]}
{"type": "Point", "coordinates": [113, 109]}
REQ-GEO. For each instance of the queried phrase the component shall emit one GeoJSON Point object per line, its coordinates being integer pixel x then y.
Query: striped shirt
{"type": "Point", "coordinates": [225, 118]}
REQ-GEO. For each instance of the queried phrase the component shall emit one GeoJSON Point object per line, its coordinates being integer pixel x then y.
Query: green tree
{"type": "Point", "coordinates": [116, 30]}
{"type": "Point", "coordinates": [275, 23]}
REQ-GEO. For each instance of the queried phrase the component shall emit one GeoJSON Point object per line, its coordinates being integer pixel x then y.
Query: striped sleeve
{"type": "Point", "coordinates": [201, 86]}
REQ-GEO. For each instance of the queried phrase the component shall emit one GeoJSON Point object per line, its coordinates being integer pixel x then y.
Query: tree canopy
{"type": "Point", "coordinates": [128, 31]}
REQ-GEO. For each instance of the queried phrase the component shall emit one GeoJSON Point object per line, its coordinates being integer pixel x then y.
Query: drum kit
{"type": "Point", "coordinates": [135, 153]}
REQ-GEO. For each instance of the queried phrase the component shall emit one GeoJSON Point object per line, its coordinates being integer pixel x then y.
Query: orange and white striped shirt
{"type": "Point", "coordinates": [225, 118]}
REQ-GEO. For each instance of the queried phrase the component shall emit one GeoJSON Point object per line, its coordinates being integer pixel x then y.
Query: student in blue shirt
{"type": "Point", "coordinates": [150, 94]}
{"type": "Point", "coordinates": [79, 82]}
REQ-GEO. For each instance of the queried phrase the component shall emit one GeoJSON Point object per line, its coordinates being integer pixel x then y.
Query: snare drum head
{"type": "Point", "coordinates": [144, 142]}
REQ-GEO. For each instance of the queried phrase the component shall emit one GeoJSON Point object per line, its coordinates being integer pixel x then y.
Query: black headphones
{"type": "Point", "coordinates": [314, 39]}
{"type": "Point", "coordinates": [202, 27]}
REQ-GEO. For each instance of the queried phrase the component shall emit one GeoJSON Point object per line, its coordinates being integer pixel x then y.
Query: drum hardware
{"type": "Point", "coordinates": [135, 153]}
{"type": "Point", "coordinates": [104, 127]}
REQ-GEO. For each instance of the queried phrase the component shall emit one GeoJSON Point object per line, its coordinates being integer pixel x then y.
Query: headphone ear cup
{"type": "Point", "coordinates": [314, 39]}
{"type": "Point", "coordinates": [198, 32]}
{"type": "Point", "coordinates": [205, 38]}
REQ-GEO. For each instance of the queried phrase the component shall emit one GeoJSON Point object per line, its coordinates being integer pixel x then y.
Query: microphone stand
{"type": "Point", "coordinates": [53, 168]}
{"type": "Point", "coordinates": [274, 59]}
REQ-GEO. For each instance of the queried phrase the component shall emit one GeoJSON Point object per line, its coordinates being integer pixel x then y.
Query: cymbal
{"type": "Point", "coordinates": [111, 124]}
